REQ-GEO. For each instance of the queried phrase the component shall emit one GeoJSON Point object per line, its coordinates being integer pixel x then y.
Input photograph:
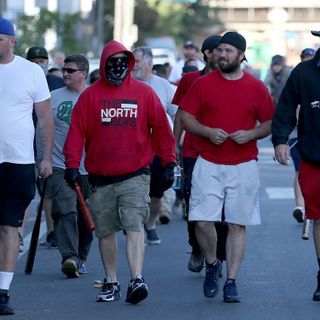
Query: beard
{"type": "Point", "coordinates": [228, 67]}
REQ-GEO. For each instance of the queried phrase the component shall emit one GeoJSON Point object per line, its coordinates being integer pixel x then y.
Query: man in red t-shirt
{"type": "Point", "coordinates": [190, 153]}
{"type": "Point", "coordinates": [229, 110]}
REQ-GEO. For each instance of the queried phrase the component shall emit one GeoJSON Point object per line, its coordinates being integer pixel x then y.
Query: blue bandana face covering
{"type": "Point", "coordinates": [117, 69]}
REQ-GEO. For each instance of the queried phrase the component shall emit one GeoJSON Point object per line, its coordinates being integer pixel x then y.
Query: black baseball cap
{"type": "Point", "coordinates": [235, 39]}
{"type": "Point", "coordinates": [37, 52]}
{"type": "Point", "coordinates": [315, 33]}
{"type": "Point", "coordinates": [210, 43]}
{"type": "Point", "coordinates": [307, 52]}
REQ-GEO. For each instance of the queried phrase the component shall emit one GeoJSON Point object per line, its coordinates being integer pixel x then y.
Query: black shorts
{"type": "Point", "coordinates": [17, 189]}
{"type": "Point", "coordinates": [156, 190]}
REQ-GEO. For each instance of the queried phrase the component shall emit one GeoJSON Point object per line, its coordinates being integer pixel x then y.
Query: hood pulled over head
{"type": "Point", "coordinates": [116, 63]}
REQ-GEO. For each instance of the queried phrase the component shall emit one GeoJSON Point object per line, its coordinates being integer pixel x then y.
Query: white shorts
{"type": "Point", "coordinates": [234, 187]}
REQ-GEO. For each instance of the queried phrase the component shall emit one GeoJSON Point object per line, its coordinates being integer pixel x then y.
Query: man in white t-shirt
{"type": "Point", "coordinates": [23, 86]}
{"type": "Point", "coordinates": [189, 51]}
{"type": "Point", "coordinates": [143, 71]}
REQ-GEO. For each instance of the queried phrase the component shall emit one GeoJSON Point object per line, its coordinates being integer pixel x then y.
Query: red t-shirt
{"type": "Point", "coordinates": [190, 142]}
{"type": "Point", "coordinates": [230, 105]}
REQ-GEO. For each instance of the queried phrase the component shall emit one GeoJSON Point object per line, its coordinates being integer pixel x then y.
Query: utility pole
{"type": "Point", "coordinates": [100, 25]}
{"type": "Point", "coordinates": [124, 30]}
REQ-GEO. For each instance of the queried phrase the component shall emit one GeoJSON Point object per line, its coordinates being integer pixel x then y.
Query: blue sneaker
{"type": "Point", "coordinates": [210, 284]}
{"type": "Point", "coordinates": [82, 269]}
{"type": "Point", "coordinates": [230, 292]}
{"type": "Point", "coordinates": [152, 237]}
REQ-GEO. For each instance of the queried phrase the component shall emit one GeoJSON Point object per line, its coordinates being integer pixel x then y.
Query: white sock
{"type": "Point", "coordinates": [5, 280]}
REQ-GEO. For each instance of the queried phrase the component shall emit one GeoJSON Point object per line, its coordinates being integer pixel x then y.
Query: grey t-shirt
{"type": "Point", "coordinates": [62, 101]}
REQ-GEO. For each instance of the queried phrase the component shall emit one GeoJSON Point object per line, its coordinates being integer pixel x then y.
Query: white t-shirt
{"type": "Point", "coordinates": [165, 91]}
{"type": "Point", "coordinates": [176, 71]}
{"type": "Point", "coordinates": [22, 83]}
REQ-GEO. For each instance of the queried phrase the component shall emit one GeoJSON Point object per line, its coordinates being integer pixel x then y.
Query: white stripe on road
{"type": "Point", "coordinates": [280, 193]}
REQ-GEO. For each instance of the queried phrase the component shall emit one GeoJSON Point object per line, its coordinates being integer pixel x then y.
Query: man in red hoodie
{"type": "Point", "coordinates": [122, 124]}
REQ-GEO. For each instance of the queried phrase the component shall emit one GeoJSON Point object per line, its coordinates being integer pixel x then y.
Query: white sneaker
{"type": "Point", "coordinates": [305, 229]}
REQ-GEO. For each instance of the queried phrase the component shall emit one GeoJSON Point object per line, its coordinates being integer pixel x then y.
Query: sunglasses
{"type": "Point", "coordinates": [70, 70]}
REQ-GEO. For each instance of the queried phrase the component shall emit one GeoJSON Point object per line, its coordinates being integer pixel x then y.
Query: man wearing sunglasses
{"type": "Point", "coordinates": [122, 124]}
{"type": "Point", "coordinates": [73, 238]}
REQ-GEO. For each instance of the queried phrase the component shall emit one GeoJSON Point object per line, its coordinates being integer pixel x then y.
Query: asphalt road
{"type": "Point", "coordinates": [277, 278]}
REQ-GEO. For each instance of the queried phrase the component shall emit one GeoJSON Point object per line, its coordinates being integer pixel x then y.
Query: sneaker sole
{"type": "Point", "coordinates": [152, 242]}
{"type": "Point", "coordinates": [231, 299]}
{"type": "Point", "coordinates": [137, 296]}
{"type": "Point", "coordinates": [70, 270]}
{"type": "Point", "coordinates": [102, 299]}
{"type": "Point", "coordinates": [195, 270]}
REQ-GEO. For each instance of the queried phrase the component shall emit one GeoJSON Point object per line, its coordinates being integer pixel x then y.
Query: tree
{"type": "Point", "coordinates": [181, 20]}
{"type": "Point", "coordinates": [31, 31]}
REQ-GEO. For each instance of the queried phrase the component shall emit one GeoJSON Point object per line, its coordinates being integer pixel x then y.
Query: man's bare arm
{"type": "Point", "coordinates": [46, 128]}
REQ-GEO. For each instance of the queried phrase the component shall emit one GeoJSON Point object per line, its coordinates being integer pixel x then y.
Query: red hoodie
{"type": "Point", "coordinates": [121, 127]}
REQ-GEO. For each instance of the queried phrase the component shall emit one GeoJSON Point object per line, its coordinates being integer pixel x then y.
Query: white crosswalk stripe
{"type": "Point", "coordinates": [265, 158]}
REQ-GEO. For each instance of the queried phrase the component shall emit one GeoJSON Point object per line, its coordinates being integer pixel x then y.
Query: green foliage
{"type": "Point", "coordinates": [70, 32]}
{"type": "Point", "coordinates": [177, 19]}
{"type": "Point", "coordinates": [108, 20]}
{"type": "Point", "coordinates": [31, 31]}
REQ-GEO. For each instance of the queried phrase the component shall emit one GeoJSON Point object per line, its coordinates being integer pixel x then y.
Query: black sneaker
{"type": "Point", "coordinates": [316, 295]}
{"type": "Point", "coordinates": [210, 284]}
{"type": "Point", "coordinates": [5, 308]}
{"type": "Point", "coordinates": [298, 214]}
{"type": "Point", "coordinates": [70, 268]}
{"type": "Point", "coordinates": [137, 291]}
{"type": "Point", "coordinates": [196, 261]}
{"type": "Point", "coordinates": [109, 292]}
{"type": "Point", "coordinates": [230, 292]}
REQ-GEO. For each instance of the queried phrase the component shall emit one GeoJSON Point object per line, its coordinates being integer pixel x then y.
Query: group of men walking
{"type": "Point", "coordinates": [110, 136]}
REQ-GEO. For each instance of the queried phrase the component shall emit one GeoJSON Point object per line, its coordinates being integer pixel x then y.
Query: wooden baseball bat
{"type": "Point", "coordinates": [84, 209]}
{"type": "Point", "coordinates": [35, 234]}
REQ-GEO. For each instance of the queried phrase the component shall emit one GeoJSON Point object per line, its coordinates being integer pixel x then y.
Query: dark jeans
{"type": "Point", "coordinates": [221, 227]}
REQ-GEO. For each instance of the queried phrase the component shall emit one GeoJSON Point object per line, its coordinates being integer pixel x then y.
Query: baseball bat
{"type": "Point", "coordinates": [35, 234]}
{"type": "Point", "coordinates": [84, 209]}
